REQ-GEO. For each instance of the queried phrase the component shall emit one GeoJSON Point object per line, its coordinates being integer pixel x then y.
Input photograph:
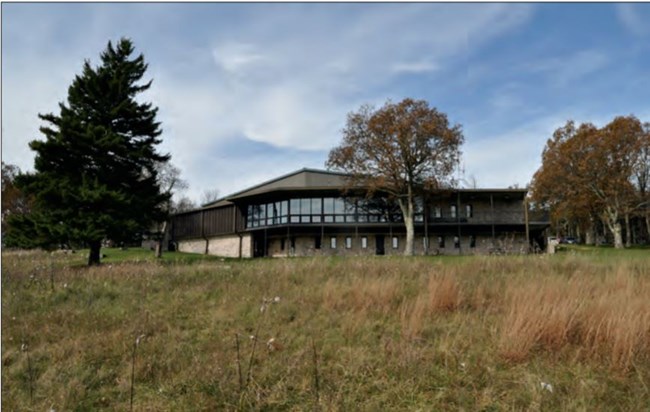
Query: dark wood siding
{"type": "Point", "coordinates": [222, 220]}
{"type": "Point", "coordinates": [187, 225]}
{"type": "Point", "coordinates": [218, 221]}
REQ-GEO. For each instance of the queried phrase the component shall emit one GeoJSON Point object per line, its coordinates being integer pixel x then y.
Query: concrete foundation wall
{"type": "Point", "coordinates": [226, 246]}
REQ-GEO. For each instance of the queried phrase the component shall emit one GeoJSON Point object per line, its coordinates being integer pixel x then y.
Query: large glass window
{"type": "Point", "coordinates": [418, 205]}
{"type": "Point", "coordinates": [294, 210]}
{"type": "Point", "coordinates": [325, 210]}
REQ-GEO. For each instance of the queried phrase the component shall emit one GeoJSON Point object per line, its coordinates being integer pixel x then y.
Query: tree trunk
{"type": "Point", "coordinates": [590, 232]}
{"type": "Point", "coordinates": [628, 231]}
{"type": "Point", "coordinates": [611, 220]}
{"type": "Point", "coordinates": [618, 236]}
{"type": "Point", "coordinates": [407, 213]}
{"type": "Point", "coordinates": [93, 256]}
{"type": "Point", "coordinates": [408, 248]}
{"type": "Point", "coordinates": [161, 239]}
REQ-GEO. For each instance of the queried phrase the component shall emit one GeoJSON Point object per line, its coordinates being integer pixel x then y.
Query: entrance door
{"type": "Point", "coordinates": [379, 245]}
{"type": "Point", "coordinates": [259, 245]}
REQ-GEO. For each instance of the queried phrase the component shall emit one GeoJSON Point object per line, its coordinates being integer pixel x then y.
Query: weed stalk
{"type": "Point", "coordinates": [316, 380]}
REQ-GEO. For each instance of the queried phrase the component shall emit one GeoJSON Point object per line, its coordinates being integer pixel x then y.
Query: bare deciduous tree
{"type": "Point", "coordinates": [209, 196]}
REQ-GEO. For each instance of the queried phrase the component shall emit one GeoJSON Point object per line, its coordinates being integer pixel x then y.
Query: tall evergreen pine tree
{"type": "Point", "coordinates": [95, 172]}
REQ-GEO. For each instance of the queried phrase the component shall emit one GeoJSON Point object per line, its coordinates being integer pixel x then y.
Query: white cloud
{"type": "Point", "coordinates": [561, 71]}
{"type": "Point", "coordinates": [237, 57]}
{"type": "Point", "coordinates": [633, 19]}
{"type": "Point", "coordinates": [414, 67]}
{"type": "Point", "coordinates": [284, 79]}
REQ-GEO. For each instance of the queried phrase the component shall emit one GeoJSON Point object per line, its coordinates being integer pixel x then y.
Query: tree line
{"type": "Point", "coordinates": [99, 176]}
{"type": "Point", "coordinates": [598, 178]}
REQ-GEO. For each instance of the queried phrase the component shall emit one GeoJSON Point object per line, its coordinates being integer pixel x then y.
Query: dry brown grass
{"type": "Point", "coordinates": [391, 333]}
{"type": "Point", "coordinates": [604, 317]}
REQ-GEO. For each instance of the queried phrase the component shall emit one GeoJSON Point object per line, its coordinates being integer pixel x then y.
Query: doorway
{"type": "Point", "coordinates": [379, 245]}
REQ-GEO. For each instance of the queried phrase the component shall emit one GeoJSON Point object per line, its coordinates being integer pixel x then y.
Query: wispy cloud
{"type": "Point", "coordinates": [250, 91]}
{"type": "Point", "coordinates": [563, 70]}
{"type": "Point", "coordinates": [634, 18]}
{"type": "Point", "coordinates": [415, 67]}
{"type": "Point", "coordinates": [237, 57]}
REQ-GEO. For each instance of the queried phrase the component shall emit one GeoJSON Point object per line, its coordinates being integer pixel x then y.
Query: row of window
{"type": "Point", "coordinates": [336, 210]}
{"type": "Point", "coordinates": [364, 242]}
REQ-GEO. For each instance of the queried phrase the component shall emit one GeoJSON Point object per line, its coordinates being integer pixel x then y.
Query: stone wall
{"type": "Point", "coordinates": [306, 245]}
{"type": "Point", "coordinates": [192, 246]}
{"type": "Point", "coordinates": [226, 246]}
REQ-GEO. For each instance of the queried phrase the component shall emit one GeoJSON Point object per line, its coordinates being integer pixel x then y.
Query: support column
{"type": "Point", "coordinates": [460, 240]}
{"type": "Point", "coordinates": [492, 218]}
{"type": "Point", "coordinates": [526, 222]}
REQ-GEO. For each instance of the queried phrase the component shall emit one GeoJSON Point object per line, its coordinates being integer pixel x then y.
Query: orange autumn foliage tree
{"type": "Point", "coordinates": [589, 172]}
{"type": "Point", "coordinates": [401, 149]}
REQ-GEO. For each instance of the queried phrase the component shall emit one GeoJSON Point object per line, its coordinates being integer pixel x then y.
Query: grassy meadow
{"type": "Point", "coordinates": [491, 333]}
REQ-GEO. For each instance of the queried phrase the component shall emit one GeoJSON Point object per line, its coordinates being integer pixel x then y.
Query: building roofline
{"type": "Point", "coordinates": [275, 179]}
{"type": "Point", "coordinates": [335, 173]}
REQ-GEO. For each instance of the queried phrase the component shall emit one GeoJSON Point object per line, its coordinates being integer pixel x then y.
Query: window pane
{"type": "Point", "coordinates": [315, 218]}
{"type": "Point", "coordinates": [304, 219]}
{"type": "Point", "coordinates": [339, 218]}
{"type": "Point", "coordinates": [350, 207]}
{"type": "Point", "coordinates": [441, 242]}
{"type": "Point", "coordinates": [332, 242]}
{"type": "Point", "coordinates": [316, 208]}
{"type": "Point", "coordinates": [452, 210]}
{"type": "Point", "coordinates": [305, 206]}
{"type": "Point", "coordinates": [364, 242]}
{"type": "Point", "coordinates": [339, 206]}
{"type": "Point", "coordinates": [348, 242]}
{"type": "Point", "coordinates": [328, 205]}
{"type": "Point", "coordinates": [395, 242]}
{"type": "Point", "coordinates": [285, 208]}
{"type": "Point", "coordinates": [295, 206]}
{"type": "Point", "coordinates": [469, 211]}
{"type": "Point", "coordinates": [329, 219]}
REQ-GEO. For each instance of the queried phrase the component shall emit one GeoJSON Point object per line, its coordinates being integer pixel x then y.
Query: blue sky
{"type": "Point", "coordinates": [248, 92]}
